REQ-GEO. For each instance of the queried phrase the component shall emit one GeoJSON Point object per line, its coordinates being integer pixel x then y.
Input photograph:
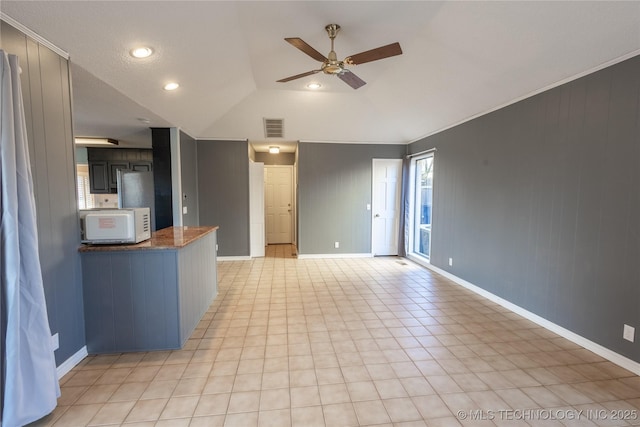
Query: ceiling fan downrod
{"type": "Point", "coordinates": [332, 65]}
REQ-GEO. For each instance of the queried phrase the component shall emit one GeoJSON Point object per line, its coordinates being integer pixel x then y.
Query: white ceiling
{"type": "Point", "coordinates": [460, 59]}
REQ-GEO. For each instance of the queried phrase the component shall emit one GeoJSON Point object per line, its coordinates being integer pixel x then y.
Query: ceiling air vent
{"type": "Point", "coordinates": [274, 128]}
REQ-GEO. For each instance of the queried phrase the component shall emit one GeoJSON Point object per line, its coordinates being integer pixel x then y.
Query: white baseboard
{"type": "Point", "coordinates": [604, 352]}
{"type": "Point", "coordinates": [71, 362]}
{"type": "Point", "coordinates": [320, 256]}
{"type": "Point", "coordinates": [234, 258]}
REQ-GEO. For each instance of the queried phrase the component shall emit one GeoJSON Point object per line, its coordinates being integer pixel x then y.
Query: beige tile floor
{"type": "Point", "coordinates": [346, 342]}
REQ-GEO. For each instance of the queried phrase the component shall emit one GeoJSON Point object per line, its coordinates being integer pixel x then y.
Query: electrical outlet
{"type": "Point", "coordinates": [336, 245]}
{"type": "Point", "coordinates": [184, 210]}
{"type": "Point", "coordinates": [55, 341]}
{"type": "Point", "coordinates": [629, 333]}
{"type": "Point", "coordinates": [450, 262]}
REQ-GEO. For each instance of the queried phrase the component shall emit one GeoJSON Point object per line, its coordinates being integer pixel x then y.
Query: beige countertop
{"type": "Point", "coordinates": [167, 238]}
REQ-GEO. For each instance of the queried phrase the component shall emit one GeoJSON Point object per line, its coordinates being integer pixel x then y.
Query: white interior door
{"type": "Point", "coordinates": [256, 209]}
{"type": "Point", "coordinates": [387, 180]}
{"type": "Point", "coordinates": [279, 203]}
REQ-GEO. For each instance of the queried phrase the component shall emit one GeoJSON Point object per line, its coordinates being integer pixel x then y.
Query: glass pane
{"type": "Point", "coordinates": [423, 204]}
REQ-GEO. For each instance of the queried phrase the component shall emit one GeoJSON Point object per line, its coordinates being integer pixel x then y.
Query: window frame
{"type": "Point", "coordinates": [413, 207]}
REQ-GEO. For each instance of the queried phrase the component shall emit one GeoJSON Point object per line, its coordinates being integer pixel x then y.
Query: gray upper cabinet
{"type": "Point", "coordinates": [104, 164]}
{"type": "Point", "coordinates": [98, 177]}
{"type": "Point", "coordinates": [145, 166]}
{"type": "Point", "coordinates": [114, 167]}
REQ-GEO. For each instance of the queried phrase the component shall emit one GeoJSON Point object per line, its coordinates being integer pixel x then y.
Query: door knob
{"type": "Point", "coordinates": [377, 215]}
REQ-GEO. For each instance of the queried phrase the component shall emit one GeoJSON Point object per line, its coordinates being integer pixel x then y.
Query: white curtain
{"type": "Point", "coordinates": [29, 380]}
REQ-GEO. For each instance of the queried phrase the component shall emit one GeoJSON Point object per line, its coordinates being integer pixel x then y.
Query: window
{"type": "Point", "coordinates": [422, 205]}
{"type": "Point", "coordinates": [85, 198]}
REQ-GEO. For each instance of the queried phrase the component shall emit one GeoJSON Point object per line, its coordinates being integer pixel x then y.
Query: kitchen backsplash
{"type": "Point", "coordinates": [106, 200]}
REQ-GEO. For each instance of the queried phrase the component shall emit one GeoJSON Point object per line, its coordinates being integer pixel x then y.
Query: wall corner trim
{"type": "Point", "coordinates": [71, 362]}
{"type": "Point", "coordinates": [604, 352]}
{"type": "Point", "coordinates": [32, 34]}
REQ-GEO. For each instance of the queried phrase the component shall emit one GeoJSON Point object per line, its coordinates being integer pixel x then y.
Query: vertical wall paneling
{"type": "Point", "coordinates": [197, 268]}
{"type": "Point", "coordinates": [189, 182]}
{"type": "Point", "coordinates": [334, 188]}
{"type": "Point", "coordinates": [223, 188]}
{"type": "Point", "coordinates": [538, 203]}
{"type": "Point", "coordinates": [143, 300]}
{"type": "Point", "coordinates": [47, 101]}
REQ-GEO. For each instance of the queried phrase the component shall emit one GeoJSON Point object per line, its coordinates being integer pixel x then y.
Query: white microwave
{"type": "Point", "coordinates": [113, 226]}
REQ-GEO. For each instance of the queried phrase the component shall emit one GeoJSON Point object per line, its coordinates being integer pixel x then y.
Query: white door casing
{"type": "Point", "coordinates": [279, 203]}
{"type": "Point", "coordinates": [387, 183]}
{"type": "Point", "coordinates": [256, 209]}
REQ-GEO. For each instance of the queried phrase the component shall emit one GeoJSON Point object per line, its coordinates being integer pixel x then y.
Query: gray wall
{"type": "Point", "coordinates": [223, 189]}
{"type": "Point", "coordinates": [539, 203]}
{"type": "Point", "coordinates": [334, 188]}
{"type": "Point", "coordinates": [47, 102]}
{"type": "Point", "coordinates": [189, 171]}
{"type": "Point", "coordinates": [284, 159]}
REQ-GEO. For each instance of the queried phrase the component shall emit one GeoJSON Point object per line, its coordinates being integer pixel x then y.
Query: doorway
{"type": "Point", "coordinates": [279, 204]}
{"type": "Point", "coordinates": [387, 180]}
{"type": "Point", "coordinates": [422, 206]}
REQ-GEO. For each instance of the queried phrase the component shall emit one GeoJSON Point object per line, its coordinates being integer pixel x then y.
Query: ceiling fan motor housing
{"type": "Point", "coordinates": [331, 65]}
{"type": "Point", "coordinates": [332, 30]}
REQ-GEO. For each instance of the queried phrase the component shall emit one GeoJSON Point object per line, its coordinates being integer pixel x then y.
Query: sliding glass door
{"type": "Point", "coordinates": [422, 168]}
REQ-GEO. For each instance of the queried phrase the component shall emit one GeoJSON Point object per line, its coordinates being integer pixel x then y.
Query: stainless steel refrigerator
{"type": "Point", "coordinates": [135, 190]}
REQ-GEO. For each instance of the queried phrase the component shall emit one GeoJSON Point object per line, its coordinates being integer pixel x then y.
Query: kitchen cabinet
{"type": "Point", "coordinates": [114, 167]}
{"type": "Point", "coordinates": [151, 295]}
{"type": "Point", "coordinates": [141, 166]}
{"type": "Point", "coordinates": [104, 164]}
{"type": "Point", "coordinates": [98, 177]}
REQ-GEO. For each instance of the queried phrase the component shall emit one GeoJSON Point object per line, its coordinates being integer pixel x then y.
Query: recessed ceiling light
{"type": "Point", "coordinates": [141, 52]}
{"type": "Point", "coordinates": [274, 149]}
{"type": "Point", "coordinates": [314, 85]}
{"type": "Point", "coordinates": [96, 141]}
{"type": "Point", "coordinates": [171, 86]}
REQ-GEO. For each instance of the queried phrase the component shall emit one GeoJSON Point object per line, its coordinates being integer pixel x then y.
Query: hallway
{"type": "Point", "coordinates": [347, 342]}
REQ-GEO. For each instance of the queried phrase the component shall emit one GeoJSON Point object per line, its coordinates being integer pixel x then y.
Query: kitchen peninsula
{"type": "Point", "coordinates": [150, 295]}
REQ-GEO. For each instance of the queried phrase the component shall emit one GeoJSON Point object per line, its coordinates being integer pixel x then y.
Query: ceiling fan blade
{"type": "Point", "coordinates": [298, 76]}
{"type": "Point", "coordinates": [351, 79]}
{"type": "Point", "coordinates": [382, 52]}
{"type": "Point", "coordinates": [303, 46]}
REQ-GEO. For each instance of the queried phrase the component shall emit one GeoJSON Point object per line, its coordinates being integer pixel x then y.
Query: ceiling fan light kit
{"type": "Point", "coordinates": [332, 66]}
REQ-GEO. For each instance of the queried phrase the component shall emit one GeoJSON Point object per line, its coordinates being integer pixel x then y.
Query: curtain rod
{"type": "Point", "coordinates": [430, 150]}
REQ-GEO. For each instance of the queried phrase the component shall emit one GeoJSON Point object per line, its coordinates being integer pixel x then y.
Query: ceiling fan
{"type": "Point", "coordinates": [331, 65]}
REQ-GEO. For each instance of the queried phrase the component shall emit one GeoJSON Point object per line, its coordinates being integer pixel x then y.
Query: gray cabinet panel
{"type": "Point", "coordinates": [99, 177]}
{"type": "Point", "coordinates": [114, 167]}
{"type": "Point", "coordinates": [145, 300]}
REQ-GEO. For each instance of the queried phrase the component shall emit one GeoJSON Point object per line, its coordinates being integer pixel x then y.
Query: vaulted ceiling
{"type": "Point", "coordinates": [460, 59]}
